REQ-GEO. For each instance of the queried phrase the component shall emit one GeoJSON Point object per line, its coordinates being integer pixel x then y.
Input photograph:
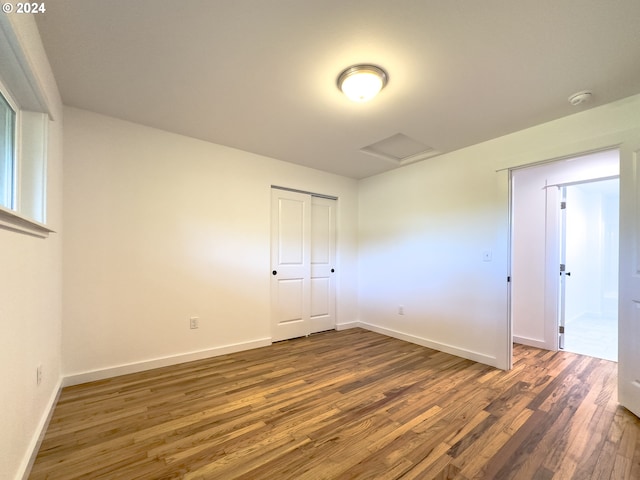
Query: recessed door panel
{"type": "Point", "coordinates": [322, 229]}
{"type": "Point", "coordinates": [291, 238]}
{"type": "Point", "coordinates": [320, 297]}
{"type": "Point", "coordinates": [290, 300]}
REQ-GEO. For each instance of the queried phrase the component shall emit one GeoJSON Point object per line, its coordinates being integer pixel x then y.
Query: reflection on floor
{"type": "Point", "coordinates": [593, 335]}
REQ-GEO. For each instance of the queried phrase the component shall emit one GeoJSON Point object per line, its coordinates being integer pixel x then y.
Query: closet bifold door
{"type": "Point", "coordinates": [323, 261]}
{"type": "Point", "coordinates": [290, 264]}
{"type": "Point", "coordinates": [303, 270]}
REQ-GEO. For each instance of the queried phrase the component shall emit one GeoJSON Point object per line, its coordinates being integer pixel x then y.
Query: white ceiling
{"type": "Point", "coordinates": [260, 75]}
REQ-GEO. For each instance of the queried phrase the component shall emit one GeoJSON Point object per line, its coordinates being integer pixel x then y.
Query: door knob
{"type": "Point", "coordinates": [275, 272]}
{"type": "Point", "coordinates": [333, 270]}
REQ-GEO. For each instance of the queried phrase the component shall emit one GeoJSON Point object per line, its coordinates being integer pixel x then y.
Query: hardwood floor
{"type": "Point", "coordinates": [347, 405]}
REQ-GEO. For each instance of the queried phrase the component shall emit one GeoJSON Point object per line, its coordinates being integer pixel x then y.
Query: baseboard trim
{"type": "Point", "coordinates": [531, 342]}
{"type": "Point", "coordinates": [36, 442]}
{"type": "Point", "coordinates": [348, 325]}
{"type": "Point", "coordinates": [93, 375]}
{"type": "Point", "coordinates": [442, 347]}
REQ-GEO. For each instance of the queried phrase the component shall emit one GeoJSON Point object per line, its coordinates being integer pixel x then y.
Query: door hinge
{"type": "Point", "coordinates": [563, 267]}
{"type": "Point", "coordinates": [561, 329]}
{"type": "Point", "coordinates": [563, 205]}
{"type": "Point", "coordinates": [509, 279]}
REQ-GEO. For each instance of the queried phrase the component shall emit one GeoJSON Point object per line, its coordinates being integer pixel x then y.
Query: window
{"type": "Point", "coordinates": [28, 104]}
{"type": "Point", "coordinates": [23, 144]}
{"type": "Point", "coordinates": [7, 153]}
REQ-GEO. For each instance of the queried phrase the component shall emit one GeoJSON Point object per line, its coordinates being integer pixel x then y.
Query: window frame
{"type": "Point", "coordinates": [7, 97]}
{"type": "Point", "coordinates": [29, 84]}
{"type": "Point", "coordinates": [11, 217]}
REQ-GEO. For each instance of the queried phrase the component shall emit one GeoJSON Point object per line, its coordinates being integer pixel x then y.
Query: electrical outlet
{"type": "Point", "coordinates": [39, 375]}
{"type": "Point", "coordinates": [194, 322]}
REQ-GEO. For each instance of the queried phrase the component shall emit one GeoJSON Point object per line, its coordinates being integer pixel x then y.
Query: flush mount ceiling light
{"type": "Point", "coordinates": [362, 82]}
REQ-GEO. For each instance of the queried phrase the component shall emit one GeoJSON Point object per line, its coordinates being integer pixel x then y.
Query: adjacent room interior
{"type": "Point", "coordinates": [591, 241]}
{"type": "Point", "coordinates": [190, 183]}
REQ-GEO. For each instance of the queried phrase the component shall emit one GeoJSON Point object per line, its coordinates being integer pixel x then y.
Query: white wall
{"type": "Point", "coordinates": [424, 229]}
{"type": "Point", "coordinates": [536, 244]}
{"type": "Point", "coordinates": [423, 232]}
{"type": "Point", "coordinates": [161, 227]}
{"type": "Point", "coordinates": [31, 291]}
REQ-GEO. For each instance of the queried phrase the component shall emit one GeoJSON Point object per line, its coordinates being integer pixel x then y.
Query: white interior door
{"type": "Point", "coordinates": [323, 260]}
{"type": "Point", "coordinates": [562, 312]}
{"type": "Point", "coordinates": [290, 264]}
{"type": "Point", "coordinates": [629, 278]}
{"type": "Point", "coordinates": [535, 236]}
{"type": "Point", "coordinates": [552, 281]}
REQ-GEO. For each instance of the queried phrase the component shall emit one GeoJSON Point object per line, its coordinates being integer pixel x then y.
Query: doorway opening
{"type": "Point", "coordinates": [589, 283]}
{"type": "Point", "coordinates": [547, 308]}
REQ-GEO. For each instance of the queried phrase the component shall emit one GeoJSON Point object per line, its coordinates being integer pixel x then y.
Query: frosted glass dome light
{"type": "Point", "coordinates": [361, 83]}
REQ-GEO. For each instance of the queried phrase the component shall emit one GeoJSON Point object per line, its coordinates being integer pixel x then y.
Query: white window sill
{"type": "Point", "coordinates": [10, 220]}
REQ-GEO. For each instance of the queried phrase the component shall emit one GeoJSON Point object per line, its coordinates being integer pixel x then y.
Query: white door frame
{"type": "Point", "coordinates": [562, 278]}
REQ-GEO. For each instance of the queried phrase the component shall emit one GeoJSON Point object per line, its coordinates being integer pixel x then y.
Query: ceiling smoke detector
{"type": "Point", "coordinates": [580, 98]}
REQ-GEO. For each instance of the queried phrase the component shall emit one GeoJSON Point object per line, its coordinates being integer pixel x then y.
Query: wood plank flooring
{"type": "Point", "coordinates": [347, 405]}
